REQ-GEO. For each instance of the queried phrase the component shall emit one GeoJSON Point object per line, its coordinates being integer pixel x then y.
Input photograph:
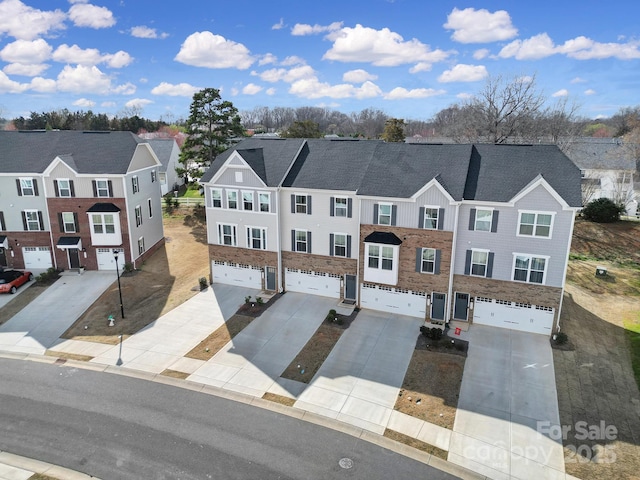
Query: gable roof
{"type": "Point", "coordinates": [163, 148]}
{"type": "Point", "coordinates": [86, 152]}
{"type": "Point", "coordinates": [601, 153]}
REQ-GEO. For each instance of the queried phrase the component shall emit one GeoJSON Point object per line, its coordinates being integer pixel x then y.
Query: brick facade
{"type": "Point", "coordinates": [148, 253]}
{"type": "Point", "coordinates": [17, 240]}
{"type": "Point", "coordinates": [246, 256]}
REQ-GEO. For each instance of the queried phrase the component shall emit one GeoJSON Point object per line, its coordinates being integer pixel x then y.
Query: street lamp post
{"type": "Point", "coordinates": [115, 256]}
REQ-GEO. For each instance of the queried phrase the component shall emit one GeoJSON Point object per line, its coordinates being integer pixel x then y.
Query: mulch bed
{"type": "Point", "coordinates": [454, 346]}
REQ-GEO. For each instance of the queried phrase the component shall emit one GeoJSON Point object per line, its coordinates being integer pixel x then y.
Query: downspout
{"type": "Point", "coordinates": [358, 279]}
{"type": "Point", "coordinates": [454, 241]}
{"type": "Point", "coordinates": [566, 265]}
{"type": "Point", "coordinates": [278, 241]}
{"type": "Point", "coordinates": [46, 205]}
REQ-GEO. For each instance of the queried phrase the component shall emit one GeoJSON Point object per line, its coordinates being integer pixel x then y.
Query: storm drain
{"type": "Point", "coordinates": [345, 463]}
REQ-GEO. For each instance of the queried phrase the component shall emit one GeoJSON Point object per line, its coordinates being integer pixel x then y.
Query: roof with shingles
{"type": "Point", "coordinates": [601, 153]}
{"type": "Point", "coordinates": [481, 172]}
{"type": "Point", "coordinates": [86, 152]}
{"type": "Point", "coordinates": [162, 147]}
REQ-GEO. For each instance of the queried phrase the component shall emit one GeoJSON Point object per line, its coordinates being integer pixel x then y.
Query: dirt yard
{"type": "Point", "coordinates": [594, 377]}
{"type": "Point", "coordinates": [166, 280]}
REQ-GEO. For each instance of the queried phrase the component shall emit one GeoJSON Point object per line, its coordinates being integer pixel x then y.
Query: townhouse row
{"type": "Point", "coordinates": [447, 233]}
{"type": "Point", "coordinates": [69, 199]}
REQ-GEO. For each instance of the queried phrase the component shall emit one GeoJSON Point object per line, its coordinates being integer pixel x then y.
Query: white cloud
{"type": "Point", "coordinates": [124, 89]}
{"type": "Point", "coordinates": [270, 91]}
{"type": "Point", "coordinates": [282, 74]}
{"type": "Point", "coordinates": [590, 91]}
{"type": "Point", "coordinates": [292, 60]}
{"type": "Point", "coordinates": [43, 85]}
{"type": "Point", "coordinates": [10, 86]}
{"type": "Point", "coordinates": [178, 90]}
{"type": "Point", "coordinates": [313, 88]}
{"type": "Point", "coordinates": [300, 29]}
{"type": "Point", "coordinates": [84, 103]}
{"type": "Point", "coordinates": [358, 76]}
{"type": "Point", "coordinates": [90, 56]}
{"type": "Point", "coordinates": [142, 31]}
{"type": "Point", "coordinates": [481, 53]}
{"type": "Point", "coordinates": [380, 47]}
{"type": "Point", "coordinates": [137, 103]}
{"type": "Point", "coordinates": [578, 80]}
{"type": "Point", "coordinates": [464, 73]}
{"type": "Point", "coordinates": [251, 89]}
{"type": "Point", "coordinates": [268, 59]}
{"type": "Point", "coordinates": [480, 26]}
{"type": "Point", "coordinates": [279, 25]}
{"type": "Point", "coordinates": [464, 96]}
{"type": "Point", "coordinates": [23, 22]}
{"type": "Point", "coordinates": [536, 47]}
{"type": "Point", "coordinates": [234, 91]}
{"type": "Point", "coordinates": [561, 93]}
{"type": "Point", "coordinates": [400, 93]}
{"type": "Point", "coordinates": [83, 79]}
{"type": "Point", "coordinates": [92, 16]}
{"type": "Point", "coordinates": [204, 49]}
{"type": "Point", "coordinates": [26, 51]}
{"type": "Point", "coordinates": [32, 70]}
{"type": "Point", "coordinates": [421, 67]}
{"type": "Point", "coordinates": [117, 60]}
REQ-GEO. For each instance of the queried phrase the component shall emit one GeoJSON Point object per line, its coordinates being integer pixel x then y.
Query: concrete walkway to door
{"type": "Point", "coordinates": [508, 388]}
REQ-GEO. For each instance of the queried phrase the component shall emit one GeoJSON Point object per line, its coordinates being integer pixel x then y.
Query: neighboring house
{"type": "Point", "coordinates": [607, 166]}
{"type": "Point", "coordinates": [69, 199]}
{"type": "Point", "coordinates": [447, 233]}
{"type": "Point", "coordinates": [168, 153]}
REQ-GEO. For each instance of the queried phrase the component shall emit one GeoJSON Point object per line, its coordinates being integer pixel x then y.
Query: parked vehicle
{"type": "Point", "coordinates": [10, 280]}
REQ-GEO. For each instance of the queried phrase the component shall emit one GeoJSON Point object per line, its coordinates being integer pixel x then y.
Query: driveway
{"type": "Point", "coordinates": [39, 325]}
{"type": "Point", "coordinates": [508, 386]}
{"type": "Point", "coordinates": [7, 297]}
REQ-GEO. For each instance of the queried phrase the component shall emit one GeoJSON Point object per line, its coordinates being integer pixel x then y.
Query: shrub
{"type": "Point", "coordinates": [203, 283]}
{"type": "Point", "coordinates": [602, 210]}
{"type": "Point", "coordinates": [127, 267]}
{"type": "Point", "coordinates": [247, 299]}
{"type": "Point", "coordinates": [259, 300]}
{"type": "Point", "coordinates": [432, 333]}
{"type": "Point", "coordinates": [50, 274]}
{"type": "Point", "coordinates": [168, 203]}
{"type": "Point", "coordinates": [561, 338]}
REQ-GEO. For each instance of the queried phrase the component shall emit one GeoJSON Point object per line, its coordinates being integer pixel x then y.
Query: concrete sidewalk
{"type": "Point", "coordinates": [16, 467]}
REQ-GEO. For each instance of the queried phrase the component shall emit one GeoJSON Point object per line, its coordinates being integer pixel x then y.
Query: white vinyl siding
{"type": "Point", "coordinates": [535, 224]}
{"type": "Point", "coordinates": [228, 234]}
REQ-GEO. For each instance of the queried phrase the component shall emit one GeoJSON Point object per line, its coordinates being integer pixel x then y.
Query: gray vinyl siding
{"type": "Point", "coordinates": [408, 213]}
{"type": "Point", "coordinates": [9, 196]}
{"type": "Point", "coordinates": [505, 242]}
{"type": "Point", "coordinates": [272, 198]}
{"type": "Point", "coordinates": [151, 228]}
{"type": "Point", "coordinates": [252, 219]}
{"type": "Point", "coordinates": [249, 178]}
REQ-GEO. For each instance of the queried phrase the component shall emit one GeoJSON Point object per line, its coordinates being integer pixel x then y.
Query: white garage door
{"type": "Point", "coordinates": [236, 274]}
{"type": "Point", "coordinates": [106, 260]}
{"type": "Point", "coordinates": [517, 316]}
{"type": "Point", "coordinates": [314, 283]}
{"type": "Point", "coordinates": [36, 257]}
{"type": "Point", "coordinates": [400, 302]}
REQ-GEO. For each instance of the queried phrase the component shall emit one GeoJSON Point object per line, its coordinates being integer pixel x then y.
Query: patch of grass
{"type": "Point", "coordinates": [633, 334]}
{"type": "Point", "coordinates": [174, 374]}
{"type": "Point", "coordinates": [68, 356]}
{"type": "Point", "coordinates": [192, 191]}
{"type": "Point", "coordinates": [211, 345]}
{"type": "Point", "coordinates": [415, 443]}
{"type": "Point", "coordinates": [42, 476]}
{"type": "Point", "coordinates": [281, 399]}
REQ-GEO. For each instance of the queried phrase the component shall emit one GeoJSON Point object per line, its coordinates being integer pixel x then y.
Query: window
{"type": "Point", "coordinates": [134, 184]}
{"type": "Point", "coordinates": [27, 187]}
{"type": "Point", "coordinates": [216, 198]}
{"type": "Point", "coordinates": [247, 201]}
{"type": "Point", "coordinates": [232, 199]}
{"type": "Point", "coordinates": [483, 220]}
{"type": "Point", "coordinates": [479, 260]}
{"type": "Point", "coordinates": [257, 238]}
{"type": "Point", "coordinates": [63, 188]}
{"type": "Point", "coordinates": [32, 220]}
{"type": "Point", "coordinates": [301, 204]}
{"type": "Point", "coordinates": [340, 207]}
{"type": "Point", "coordinates": [141, 245]}
{"type": "Point", "coordinates": [264, 199]}
{"type": "Point", "coordinates": [428, 260]}
{"type": "Point", "coordinates": [150, 208]}
{"type": "Point", "coordinates": [227, 235]}
{"type": "Point", "coordinates": [238, 177]}
{"type": "Point", "coordinates": [138, 213]}
{"type": "Point", "coordinates": [534, 224]}
{"type": "Point", "coordinates": [380, 257]}
{"type": "Point", "coordinates": [529, 268]}
{"type": "Point", "coordinates": [384, 214]}
{"type": "Point", "coordinates": [2, 226]}
{"type": "Point", "coordinates": [103, 223]}
{"type": "Point", "coordinates": [431, 218]}
{"type": "Point", "coordinates": [153, 176]}
{"type": "Point", "coordinates": [339, 244]}
{"type": "Point", "coordinates": [102, 188]}
{"type": "Point", "coordinates": [68, 222]}
{"type": "Point", "coordinates": [301, 241]}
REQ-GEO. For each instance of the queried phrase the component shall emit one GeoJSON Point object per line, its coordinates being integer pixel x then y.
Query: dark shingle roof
{"type": "Point", "coordinates": [601, 153]}
{"type": "Point", "coordinates": [162, 147]}
{"type": "Point", "coordinates": [87, 152]}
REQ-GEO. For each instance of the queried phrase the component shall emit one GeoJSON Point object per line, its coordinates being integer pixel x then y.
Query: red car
{"type": "Point", "coordinates": [10, 280]}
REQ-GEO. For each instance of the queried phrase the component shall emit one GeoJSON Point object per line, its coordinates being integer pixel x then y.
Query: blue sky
{"type": "Point", "coordinates": [409, 58]}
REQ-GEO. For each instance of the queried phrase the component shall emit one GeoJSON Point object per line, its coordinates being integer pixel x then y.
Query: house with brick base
{"type": "Point", "coordinates": [457, 234]}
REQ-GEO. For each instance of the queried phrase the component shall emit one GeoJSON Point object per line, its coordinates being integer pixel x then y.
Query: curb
{"type": "Point", "coordinates": [36, 466]}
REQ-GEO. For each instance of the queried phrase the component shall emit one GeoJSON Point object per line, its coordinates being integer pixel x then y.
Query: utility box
{"type": "Point", "coordinates": [601, 271]}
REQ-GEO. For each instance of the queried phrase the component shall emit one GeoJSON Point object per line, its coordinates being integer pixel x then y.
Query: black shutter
{"type": "Point", "coordinates": [55, 188]}
{"type": "Point", "coordinates": [95, 188]}
{"type": "Point", "coordinates": [394, 214]}
{"type": "Point", "coordinates": [133, 184]}
{"type": "Point", "coordinates": [332, 204]}
{"type": "Point", "coordinates": [421, 217]}
{"type": "Point", "coordinates": [494, 221]}
{"type": "Point", "coordinates": [61, 222]}
{"type": "Point", "coordinates": [472, 219]}
{"type": "Point", "coordinates": [349, 207]}
{"type": "Point", "coordinates": [40, 221]}
{"type": "Point", "coordinates": [24, 221]}
{"type": "Point", "coordinates": [375, 213]}
{"type": "Point", "coordinates": [308, 204]}
{"type": "Point", "coordinates": [35, 187]}
{"type": "Point", "coordinates": [331, 244]}
{"type": "Point", "coordinates": [418, 260]}
{"type": "Point", "coordinates": [490, 265]}
{"type": "Point", "coordinates": [2, 221]}
{"type": "Point", "coordinates": [110, 186]}
{"type": "Point", "coordinates": [308, 242]}
{"type": "Point", "coordinates": [73, 190]}
{"type": "Point", "coordinates": [293, 240]}
{"type": "Point", "coordinates": [467, 263]}
{"type": "Point", "coordinates": [348, 246]}
{"type": "Point", "coordinates": [440, 218]}
{"type": "Point", "coordinates": [19, 187]}
{"type": "Point", "coordinates": [436, 268]}
{"type": "Point", "coordinates": [76, 222]}
{"type": "Point", "coordinates": [293, 204]}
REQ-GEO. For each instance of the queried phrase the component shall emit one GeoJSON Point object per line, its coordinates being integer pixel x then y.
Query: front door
{"type": "Point", "coordinates": [3, 257]}
{"type": "Point", "coordinates": [271, 278]}
{"type": "Point", "coordinates": [437, 306]}
{"type": "Point", "coordinates": [74, 259]}
{"type": "Point", "coordinates": [350, 287]}
{"type": "Point", "coordinates": [461, 307]}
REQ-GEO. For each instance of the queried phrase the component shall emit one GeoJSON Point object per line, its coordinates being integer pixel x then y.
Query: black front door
{"type": "Point", "coordinates": [437, 305]}
{"type": "Point", "coordinates": [74, 259]}
{"type": "Point", "coordinates": [3, 257]}
{"type": "Point", "coordinates": [271, 278]}
{"type": "Point", "coordinates": [350, 287]}
{"type": "Point", "coordinates": [461, 306]}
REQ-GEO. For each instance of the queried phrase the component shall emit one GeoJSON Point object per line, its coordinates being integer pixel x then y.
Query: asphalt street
{"type": "Point", "coordinates": [117, 427]}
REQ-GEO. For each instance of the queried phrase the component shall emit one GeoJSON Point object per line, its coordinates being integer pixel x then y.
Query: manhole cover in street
{"type": "Point", "coordinates": [345, 463]}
